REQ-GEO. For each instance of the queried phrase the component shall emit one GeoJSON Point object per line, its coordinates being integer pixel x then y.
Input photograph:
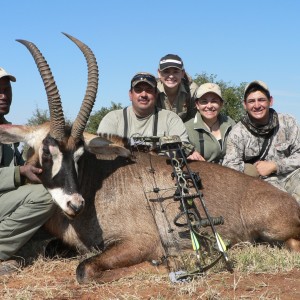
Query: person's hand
{"type": "Point", "coordinates": [31, 173]}
{"type": "Point", "coordinates": [265, 168]}
{"type": "Point", "coordinates": [196, 156]}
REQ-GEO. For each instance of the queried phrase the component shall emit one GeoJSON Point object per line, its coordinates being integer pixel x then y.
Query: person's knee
{"type": "Point", "coordinates": [296, 193]}
{"type": "Point", "coordinates": [43, 198]}
{"type": "Point", "coordinates": [292, 185]}
{"type": "Point", "coordinates": [36, 192]}
{"type": "Point", "coordinates": [39, 197]}
{"type": "Point", "coordinates": [250, 170]}
{"type": "Point", "coordinates": [297, 197]}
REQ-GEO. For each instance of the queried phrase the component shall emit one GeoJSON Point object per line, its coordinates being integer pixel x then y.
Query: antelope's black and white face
{"type": "Point", "coordinates": [59, 176]}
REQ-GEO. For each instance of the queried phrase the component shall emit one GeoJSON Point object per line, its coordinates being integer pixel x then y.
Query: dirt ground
{"type": "Point", "coordinates": [55, 279]}
{"type": "Point", "coordinates": [52, 275]}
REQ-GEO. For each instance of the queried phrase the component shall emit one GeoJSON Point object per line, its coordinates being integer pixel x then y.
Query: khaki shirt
{"type": "Point", "coordinates": [168, 124]}
{"type": "Point", "coordinates": [184, 103]}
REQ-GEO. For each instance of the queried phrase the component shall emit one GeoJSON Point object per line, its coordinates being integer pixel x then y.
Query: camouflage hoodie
{"type": "Point", "coordinates": [284, 150]}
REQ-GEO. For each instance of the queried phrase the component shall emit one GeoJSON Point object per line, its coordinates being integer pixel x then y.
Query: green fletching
{"type": "Point", "coordinates": [195, 243]}
{"type": "Point", "coordinates": [221, 244]}
{"type": "Point", "coordinates": [190, 202]}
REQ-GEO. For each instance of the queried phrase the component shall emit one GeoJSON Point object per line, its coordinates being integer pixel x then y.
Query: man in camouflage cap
{"type": "Point", "coordinates": [265, 143]}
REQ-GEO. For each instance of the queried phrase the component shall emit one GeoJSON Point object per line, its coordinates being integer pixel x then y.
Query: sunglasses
{"type": "Point", "coordinates": [144, 77]}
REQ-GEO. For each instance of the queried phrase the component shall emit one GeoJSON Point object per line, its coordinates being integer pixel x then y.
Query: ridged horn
{"type": "Point", "coordinates": [91, 90]}
{"type": "Point", "coordinates": [54, 102]}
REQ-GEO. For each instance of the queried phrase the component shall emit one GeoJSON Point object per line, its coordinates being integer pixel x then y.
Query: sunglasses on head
{"type": "Point", "coordinates": [141, 76]}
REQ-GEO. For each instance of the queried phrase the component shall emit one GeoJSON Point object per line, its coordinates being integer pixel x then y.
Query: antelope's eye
{"type": "Point", "coordinates": [46, 151]}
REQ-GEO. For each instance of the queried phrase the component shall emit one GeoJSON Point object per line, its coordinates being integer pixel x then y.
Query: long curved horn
{"type": "Point", "coordinates": [54, 102]}
{"type": "Point", "coordinates": [91, 90]}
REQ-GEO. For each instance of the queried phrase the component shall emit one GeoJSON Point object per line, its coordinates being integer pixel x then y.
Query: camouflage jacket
{"type": "Point", "coordinates": [284, 150]}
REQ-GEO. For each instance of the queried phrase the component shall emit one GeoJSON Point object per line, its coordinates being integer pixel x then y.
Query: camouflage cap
{"type": "Point", "coordinates": [3, 73]}
{"type": "Point", "coordinates": [259, 83]}
{"type": "Point", "coordinates": [143, 77]}
{"type": "Point", "coordinates": [208, 88]}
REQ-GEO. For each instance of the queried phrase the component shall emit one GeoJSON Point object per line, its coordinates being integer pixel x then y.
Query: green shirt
{"type": "Point", "coordinates": [213, 149]}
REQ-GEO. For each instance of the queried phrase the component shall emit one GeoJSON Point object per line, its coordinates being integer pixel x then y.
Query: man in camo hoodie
{"type": "Point", "coordinates": [265, 143]}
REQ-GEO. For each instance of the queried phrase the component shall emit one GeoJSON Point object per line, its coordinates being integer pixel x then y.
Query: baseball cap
{"type": "Point", "coordinates": [208, 88]}
{"type": "Point", "coordinates": [143, 77]}
{"type": "Point", "coordinates": [3, 73]}
{"type": "Point", "coordinates": [259, 83]}
{"type": "Point", "coordinates": [170, 60]}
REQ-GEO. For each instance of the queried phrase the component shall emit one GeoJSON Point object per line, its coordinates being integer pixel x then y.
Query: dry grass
{"type": "Point", "coordinates": [55, 279]}
{"type": "Point", "coordinates": [263, 258]}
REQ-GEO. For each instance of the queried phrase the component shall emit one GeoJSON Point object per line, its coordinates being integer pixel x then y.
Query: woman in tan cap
{"type": "Point", "coordinates": [209, 129]}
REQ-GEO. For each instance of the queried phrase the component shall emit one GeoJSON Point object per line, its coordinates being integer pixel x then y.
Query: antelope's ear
{"type": "Point", "coordinates": [99, 145]}
{"type": "Point", "coordinates": [30, 135]}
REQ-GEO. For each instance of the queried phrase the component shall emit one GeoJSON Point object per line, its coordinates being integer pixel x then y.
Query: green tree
{"type": "Point", "coordinates": [97, 116]}
{"type": "Point", "coordinates": [232, 94]}
{"type": "Point", "coordinates": [41, 116]}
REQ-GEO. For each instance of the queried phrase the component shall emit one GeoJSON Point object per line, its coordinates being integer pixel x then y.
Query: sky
{"type": "Point", "coordinates": [236, 40]}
